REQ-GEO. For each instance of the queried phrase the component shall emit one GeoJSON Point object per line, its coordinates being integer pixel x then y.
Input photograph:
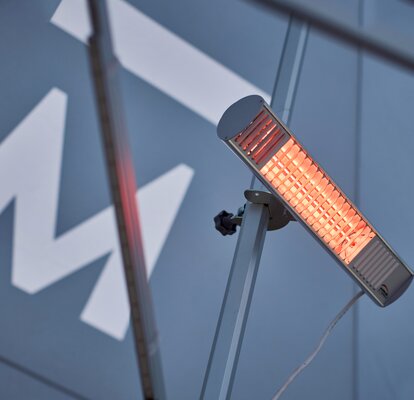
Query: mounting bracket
{"type": "Point", "coordinates": [226, 223]}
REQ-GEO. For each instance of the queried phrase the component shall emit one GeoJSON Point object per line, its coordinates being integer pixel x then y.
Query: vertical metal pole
{"type": "Point", "coordinates": [224, 355]}
{"type": "Point", "coordinates": [123, 190]}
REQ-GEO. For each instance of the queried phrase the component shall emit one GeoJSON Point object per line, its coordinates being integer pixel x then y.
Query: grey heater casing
{"type": "Point", "coordinates": [377, 269]}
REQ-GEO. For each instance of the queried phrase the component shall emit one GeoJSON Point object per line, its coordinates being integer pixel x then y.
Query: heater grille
{"type": "Point", "coordinates": [261, 139]}
{"type": "Point", "coordinates": [312, 194]}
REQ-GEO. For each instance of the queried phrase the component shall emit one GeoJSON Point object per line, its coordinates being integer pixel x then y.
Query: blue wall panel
{"type": "Point", "coordinates": [386, 363]}
{"type": "Point", "coordinates": [299, 288]}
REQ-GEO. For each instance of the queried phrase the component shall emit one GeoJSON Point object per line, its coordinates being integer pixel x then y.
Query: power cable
{"type": "Point", "coordinates": [301, 367]}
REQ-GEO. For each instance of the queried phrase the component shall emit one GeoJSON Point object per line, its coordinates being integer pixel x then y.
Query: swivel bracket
{"type": "Point", "coordinates": [226, 223]}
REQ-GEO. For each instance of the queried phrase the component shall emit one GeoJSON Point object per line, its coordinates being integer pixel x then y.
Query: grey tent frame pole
{"type": "Point", "coordinates": [120, 169]}
{"type": "Point", "coordinates": [227, 342]}
{"type": "Point", "coordinates": [387, 49]}
{"type": "Point", "coordinates": [219, 377]}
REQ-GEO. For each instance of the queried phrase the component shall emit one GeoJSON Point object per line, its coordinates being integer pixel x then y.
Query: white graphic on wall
{"type": "Point", "coordinates": [153, 53]}
{"type": "Point", "coordinates": [30, 165]}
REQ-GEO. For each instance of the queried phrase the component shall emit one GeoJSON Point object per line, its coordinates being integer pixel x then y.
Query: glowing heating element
{"type": "Point", "coordinates": [317, 200]}
{"type": "Point", "coordinates": [265, 144]}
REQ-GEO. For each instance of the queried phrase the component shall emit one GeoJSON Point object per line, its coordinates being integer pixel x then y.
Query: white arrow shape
{"type": "Point", "coordinates": [30, 165]}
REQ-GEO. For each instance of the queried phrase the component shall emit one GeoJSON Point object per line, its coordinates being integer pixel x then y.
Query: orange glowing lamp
{"type": "Point", "coordinates": [265, 144]}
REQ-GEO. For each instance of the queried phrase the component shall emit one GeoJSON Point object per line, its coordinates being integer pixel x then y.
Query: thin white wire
{"type": "Point", "coordinates": [299, 369]}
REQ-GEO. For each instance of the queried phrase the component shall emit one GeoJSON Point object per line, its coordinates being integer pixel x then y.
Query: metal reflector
{"type": "Point", "coordinates": [262, 141]}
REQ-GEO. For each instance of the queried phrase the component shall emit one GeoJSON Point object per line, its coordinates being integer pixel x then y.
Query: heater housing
{"type": "Point", "coordinates": [251, 129]}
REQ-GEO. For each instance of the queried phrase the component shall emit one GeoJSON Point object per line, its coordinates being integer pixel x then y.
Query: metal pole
{"type": "Point", "coordinates": [233, 316]}
{"type": "Point", "coordinates": [224, 355]}
{"type": "Point", "coordinates": [123, 190]}
{"type": "Point", "coordinates": [393, 50]}
{"type": "Point", "coordinates": [290, 66]}
{"type": "Point", "coordinates": [287, 77]}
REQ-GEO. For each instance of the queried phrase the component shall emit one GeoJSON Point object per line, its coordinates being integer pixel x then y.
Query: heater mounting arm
{"type": "Point", "coordinates": [226, 223]}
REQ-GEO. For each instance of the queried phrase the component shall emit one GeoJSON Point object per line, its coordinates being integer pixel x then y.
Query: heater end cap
{"type": "Point", "coordinates": [238, 116]}
{"type": "Point", "coordinates": [397, 294]}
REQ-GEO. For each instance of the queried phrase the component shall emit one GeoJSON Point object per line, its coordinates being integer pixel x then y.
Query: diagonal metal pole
{"type": "Point", "coordinates": [287, 77]}
{"type": "Point", "coordinates": [123, 190]}
{"type": "Point", "coordinates": [290, 65]}
{"type": "Point", "coordinates": [387, 48]}
{"type": "Point", "coordinates": [225, 351]}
